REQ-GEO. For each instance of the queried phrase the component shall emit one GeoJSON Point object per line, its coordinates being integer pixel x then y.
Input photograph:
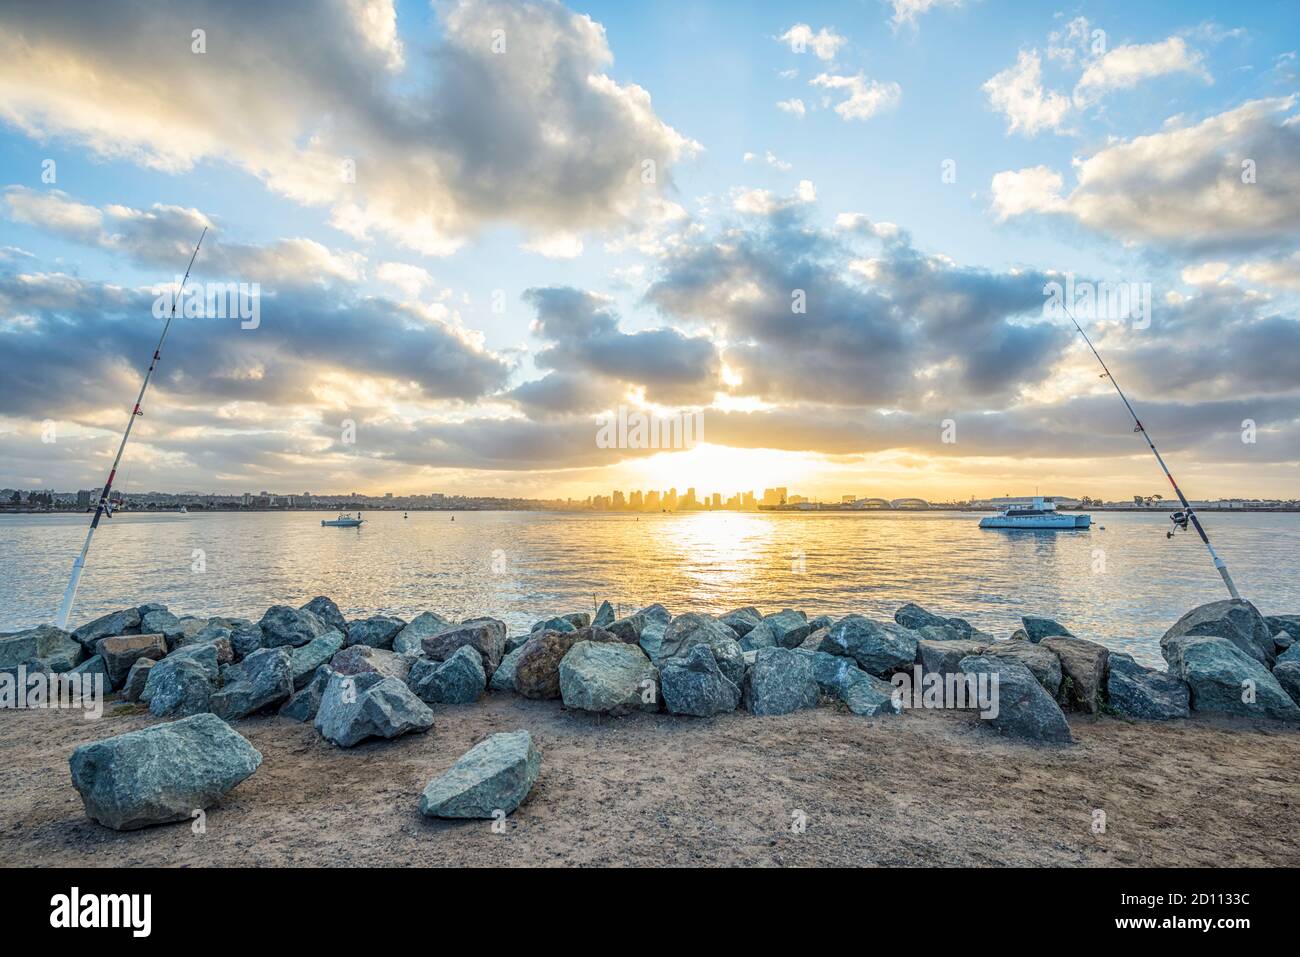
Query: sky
{"type": "Point", "coordinates": [473, 230]}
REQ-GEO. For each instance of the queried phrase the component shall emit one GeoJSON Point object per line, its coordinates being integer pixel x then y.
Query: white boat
{"type": "Point", "coordinates": [344, 520]}
{"type": "Point", "coordinates": [1038, 514]}
{"type": "Point", "coordinates": [183, 510]}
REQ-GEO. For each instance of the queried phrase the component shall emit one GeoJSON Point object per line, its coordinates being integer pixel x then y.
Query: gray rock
{"type": "Point", "coordinates": [328, 612]}
{"type": "Point", "coordinates": [604, 615]}
{"type": "Point", "coordinates": [246, 639]}
{"type": "Point", "coordinates": [121, 652]}
{"type": "Point", "coordinates": [608, 678]}
{"type": "Point", "coordinates": [361, 659]}
{"type": "Point", "coordinates": [356, 707]}
{"type": "Point", "coordinates": [628, 628]}
{"type": "Point", "coordinates": [656, 612]}
{"type": "Point", "coordinates": [162, 773]}
{"type": "Point", "coordinates": [780, 681]}
{"type": "Point", "coordinates": [944, 657]}
{"type": "Point", "coordinates": [914, 617]}
{"type": "Point", "coordinates": [305, 659]}
{"type": "Point", "coordinates": [1283, 642]}
{"type": "Point", "coordinates": [742, 621]}
{"type": "Point", "coordinates": [1083, 669]}
{"type": "Point", "coordinates": [685, 631]}
{"type": "Point", "coordinates": [864, 694]}
{"type": "Point", "coordinates": [160, 621]}
{"type": "Point", "coordinates": [821, 621]}
{"type": "Point", "coordinates": [177, 687]}
{"type": "Point", "coordinates": [136, 679]}
{"type": "Point", "coordinates": [214, 632]}
{"type": "Point", "coordinates": [58, 649]}
{"type": "Point", "coordinates": [206, 656]}
{"type": "Point", "coordinates": [1025, 709]}
{"type": "Point", "coordinates": [940, 633]}
{"type": "Point", "coordinates": [1292, 653]}
{"type": "Point", "coordinates": [1287, 674]}
{"type": "Point", "coordinates": [410, 640]}
{"type": "Point", "coordinates": [1287, 623]}
{"type": "Point", "coordinates": [377, 631]}
{"type": "Point", "coordinates": [761, 635]}
{"type": "Point", "coordinates": [503, 679]}
{"type": "Point", "coordinates": [1237, 621]}
{"type": "Point", "coordinates": [267, 681]}
{"type": "Point", "coordinates": [693, 684]}
{"type": "Point", "coordinates": [458, 680]}
{"type": "Point", "coordinates": [1139, 692]}
{"type": "Point", "coordinates": [304, 703]}
{"type": "Point", "coordinates": [123, 622]}
{"type": "Point", "coordinates": [578, 619]}
{"type": "Point", "coordinates": [495, 775]}
{"type": "Point", "coordinates": [553, 624]}
{"type": "Point", "coordinates": [91, 666]}
{"type": "Point", "coordinates": [789, 627]}
{"type": "Point", "coordinates": [652, 639]}
{"type": "Point", "coordinates": [487, 636]}
{"type": "Point", "coordinates": [1036, 629]}
{"type": "Point", "coordinates": [1220, 674]}
{"type": "Point", "coordinates": [1042, 662]}
{"type": "Point", "coordinates": [879, 649]}
{"type": "Point", "coordinates": [282, 625]}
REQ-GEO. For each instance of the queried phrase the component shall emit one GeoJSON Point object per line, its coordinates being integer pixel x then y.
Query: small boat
{"type": "Point", "coordinates": [183, 510]}
{"type": "Point", "coordinates": [1038, 514]}
{"type": "Point", "coordinates": [344, 520]}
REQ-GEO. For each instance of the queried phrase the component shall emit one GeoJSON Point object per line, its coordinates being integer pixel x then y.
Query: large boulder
{"type": "Point", "coordinates": [762, 635]}
{"type": "Point", "coordinates": [54, 646]}
{"type": "Point", "coordinates": [161, 774]}
{"type": "Point", "coordinates": [879, 649]}
{"type": "Point", "coordinates": [652, 638]}
{"type": "Point", "coordinates": [629, 627]}
{"type": "Point", "coordinates": [305, 659]}
{"type": "Point", "coordinates": [1225, 679]}
{"type": "Point", "coordinates": [356, 707]}
{"type": "Point", "coordinates": [121, 652]}
{"type": "Point", "coordinates": [246, 639]}
{"type": "Point", "coordinates": [137, 678]}
{"type": "Point", "coordinates": [742, 620]}
{"type": "Point", "coordinates": [1024, 709]}
{"type": "Point", "coordinates": [864, 694]}
{"type": "Point", "coordinates": [1237, 621]}
{"type": "Point", "coordinates": [493, 776]}
{"type": "Point", "coordinates": [178, 687]}
{"type": "Point", "coordinates": [537, 668]}
{"type": "Point", "coordinates": [503, 679]}
{"type": "Point", "coordinates": [690, 629]}
{"type": "Point", "coordinates": [361, 659]}
{"type": "Point", "coordinates": [328, 612]}
{"type": "Point", "coordinates": [1138, 692]}
{"type": "Point", "coordinates": [267, 681]}
{"type": "Point", "coordinates": [458, 680]}
{"type": "Point", "coordinates": [377, 631]}
{"type": "Point", "coordinates": [578, 619]}
{"type": "Point", "coordinates": [608, 678]}
{"type": "Point", "coordinates": [1083, 670]}
{"type": "Point", "coordinates": [1292, 653]}
{"type": "Point", "coordinates": [604, 615]}
{"type": "Point", "coordinates": [410, 640]}
{"type": "Point", "coordinates": [553, 624]}
{"type": "Point", "coordinates": [1036, 628]}
{"type": "Point", "coordinates": [160, 621]}
{"type": "Point", "coordinates": [1287, 674]}
{"type": "Point", "coordinates": [780, 681]}
{"type": "Point", "coordinates": [207, 655]}
{"type": "Point", "coordinates": [788, 627]}
{"type": "Point", "coordinates": [123, 622]}
{"type": "Point", "coordinates": [912, 616]}
{"type": "Point", "coordinates": [1042, 662]}
{"type": "Point", "coordinates": [944, 656]}
{"type": "Point", "coordinates": [487, 636]}
{"type": "Point", "coordinates": [282, 625]}
{"type": "Point", "coordinates": [305, 702]}
{"type": "Point", "coordinates": [693, 684]}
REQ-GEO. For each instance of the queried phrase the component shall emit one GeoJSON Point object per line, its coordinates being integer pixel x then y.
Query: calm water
{"type": "Point", "coordinates": [1122, 586]}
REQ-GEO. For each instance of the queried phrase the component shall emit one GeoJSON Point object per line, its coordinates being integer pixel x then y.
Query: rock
{"type": "Point", "coordinates": [627, 629]}
{"type": "Point", "coordinates": [691, 629]}
{"type": "Point", "coordinates": [742, 621]}
{"type": "Point", "coordinates": [162, 773]}
{"type": "Point", "coordinates": [553, 624]}
{"type": "Point", "coordinates": [1220, 674]}
{"type": "Point", "coordinates": [282, 625]}
{"type": "Point", "coordinates": [213, 632]}
{"type": "Point", "coordinates": [92, 666]}
{"type": "Point", "coordinates": [305, 659]}
{"type": "Point", "coordinates": [58, 649]}
{"type": "Point", "coordinates": [328, 612]}
{"type": "Point", "coordinates": [578, 619]}
{"type": "Point", "coordinates": [1139, 692]}
{"type": "Point", "coordinates": [1292, 653]}
{"type": "Point", "coordinates": [458, 680]}
{"type": "Point", "coordinates": [604, 615]}
{"type": "Point", "coordinates": [267, 680]}
{"type": "Point", "coordinates": [966, 631]}
{"type": "Point", "coordinates": [815, 638]}
{"type": "Point", "coordinates": [1283, 642]}
{"type": "Point", "coordinates": [761, 635]}
{"type": "Point", "coordinates": [205, 656]}
{"type": "Point", "coordinates": [356, 707]}
{"type": "Point", "coordinates": [944, 657]}
{"type": "Point", "coordinates": [781, 681]}
{"type": "Point", "coordinates": [495, 775]}
{"type": "Point", "coordinates": [656, 612]}
{"type": "Point", "coordinates": [1025, 709]}
{"type": "Point", "coordinates": [864, 694]}
{"type": "Point", "coordinates": [177, 687]}
{"type": "Point", "coordinates": [362, 659]}
{"type": "Point", "coordinates": [652, 639]}
{"type": "Point", "coordinates": [1042, 662]}
{"type": "Point", "coordinates": [120, 653]}
{"type": "Point", "coordinates": [503, 679]}
{"type": "Point", "coordinates": [1287, 674]}
{"type": "Point", "coordinates": [912, 616]}
{"type": "Point", "coordinates": [537, 669]}
{"type": "Point", "coordinates": [410, 640]}
{"type": "Point", "coordinates": [515, 642]}
{"type": "Point", "coordinates": [1287, 623]}
{"type": "Point", "coordinates": [1036, 629]}
{"type": "Point", "coordinates": [136, 679]}
{"type": "Point", "coordinates": [940, 633]}
{"type": "Point", "coordinates": [789, 627]}
{"type": "Point", "coordinates": [879, 649]}
{"type": "Point", "coordinates": [1237, 621]}
{"type": "Point", "coordinates": [377, 632]}
{"type": "Point", "coordinates": [304, 703]}
{"type": "Point", "coordinates": [246, 639]}
{"type": "Point", "coordinates": [160, 621]}
{"type": "Point", "coordinates": [124, 622]}
{"type": "Point", "coordinates": [1083, 670]}
{"type": "Point", "coordinates": [693, 684]}
{"type": "Point", "coordinates": [608, 678]}
{"type": "Point", "coordinates": [487, 636]}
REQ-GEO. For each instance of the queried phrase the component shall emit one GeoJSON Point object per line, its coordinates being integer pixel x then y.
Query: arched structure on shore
{"type": "Point", "coordinates": [872, 503]}
{"type": "Point", "coordinates": [909, 503]}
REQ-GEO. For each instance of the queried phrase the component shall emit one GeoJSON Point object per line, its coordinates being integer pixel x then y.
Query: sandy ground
{"type": "Point", "coordinates": [920, 789]}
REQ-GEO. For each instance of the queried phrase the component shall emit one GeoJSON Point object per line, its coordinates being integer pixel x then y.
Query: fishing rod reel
{"type": "Point", "coordinates": [1180, 520]}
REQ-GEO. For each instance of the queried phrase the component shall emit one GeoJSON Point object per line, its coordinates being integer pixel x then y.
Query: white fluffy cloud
{"type": "Point", "coordinates": [1018, 93]}
{"type": "Point", "coordinates": [1126, 66]}
{"type": "Point", "coordinates": [824, 43]}
{"type": "Point", "coordinates": [865, 97]}
{"type": "Point", "coordinates": [907, 11]}
{"type": "Point", "coordinates": [793, 106]}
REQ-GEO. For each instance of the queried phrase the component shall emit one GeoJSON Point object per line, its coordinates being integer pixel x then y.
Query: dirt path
{"type": "Point", "coordinates": [922, 789]}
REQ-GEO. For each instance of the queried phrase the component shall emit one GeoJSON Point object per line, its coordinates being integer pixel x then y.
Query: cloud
{"type": "Point", "coordinates": [865, 98]}
{"type": "Point", "coordinates": [1017, 92]}
{"type": "Point", "coordinates": [771, 160]}
{"type": "Point", "coordinates": [1231, 181]}
{"type": "Point", "coordinates": [909, 11]}
{"type": "Point", "coordinates": [1125, 67]}
{"type": "Point", "coordinates": [793, 105]}
{"type": "Point", "coordinates": [524, 126]}
{"type": "Point", "coordinates": [824, 43]}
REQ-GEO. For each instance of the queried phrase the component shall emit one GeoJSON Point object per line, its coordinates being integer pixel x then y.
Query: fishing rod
{"type": "Point", "coordinates": [70, 595]}
{"type": "Point", "coordinates": [1188, 514]}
